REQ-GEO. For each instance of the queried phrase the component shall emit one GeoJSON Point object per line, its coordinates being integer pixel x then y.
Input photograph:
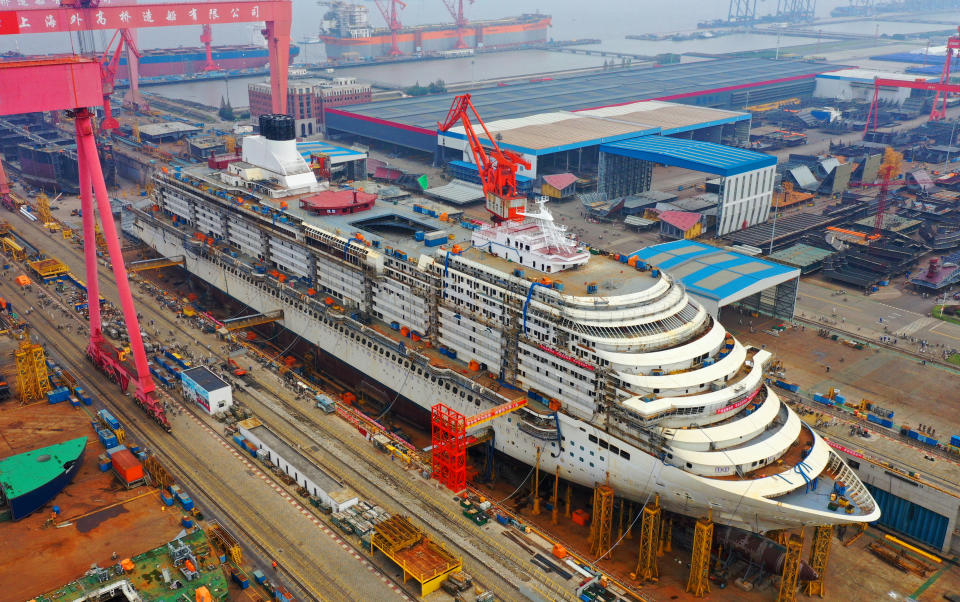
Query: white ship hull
{"type": "Point", "coordinates": [637, 478]}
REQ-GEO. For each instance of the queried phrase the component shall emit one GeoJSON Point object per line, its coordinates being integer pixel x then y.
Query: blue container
{"type": "Point", "coordinates": [57, 395]}
{"type": "Point", "coordinates": [913, 434]}
{"type": "Point", "coordinates": [104, 465]}
{"type": "Point", "coordinates": [166, 498]}
{"type": "Point", "coordinates": [187, 522]}
{"type": "Point", "coordinates": [436, 242]}
{"type": "Point", "coordinates": [873, 419]}
{"type": "Point", "coordinates": [886, 423]}
{"type": "Point", "coordinates": [822, 399]}
{"type": "Point", "coordinates": [74, 402]}
{"type": "Point", "coordinates": [955, 440]}
{"type": "Point", "coordinates": [418, 235]}
{"type": "Point", "coordinates": [655, 273]}
{"type": "Point", "coordinates": [239, 440]}
{"type": "Point", "coordinates": [395, 325]}
{"type": "Point", "coordinates": [87, 401]}
{"type": "Point", "coordinates": [108, 418]}
{"type": "Point", "coordinates": [185, 501]}
{"type": "Point", "coordinates": [503, 520]}
{"type": "Point", "coordinates": [134, 449]}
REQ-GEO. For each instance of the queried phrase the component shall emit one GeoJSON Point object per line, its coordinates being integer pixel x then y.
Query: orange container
{"type": "Point", "coordinates": [349, 397]}
{"type": "Point", "coordinates": [474, 365]}
{"type": "Point", "coordinates": [581, 517]}
{"type": "Point", "coordinates": [127, 466]}
{"type": "Point", "coordinates": [405, 331]}
{"type": "Point", "coordinates": [414, 336]}
{"type": "Point", "coordinates": [559, 551]}
{"type": "Point", "coordinates": [632, 262]}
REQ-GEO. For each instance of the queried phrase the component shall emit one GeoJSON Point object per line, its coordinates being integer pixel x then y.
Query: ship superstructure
{"type": "Point", "coordinates": [627, 377]}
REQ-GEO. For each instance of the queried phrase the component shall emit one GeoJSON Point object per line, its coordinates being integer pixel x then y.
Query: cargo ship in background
{"type": "Point", "coordinates": [157, 62]}
{"type": "Point", "coordinates": [348, 35]}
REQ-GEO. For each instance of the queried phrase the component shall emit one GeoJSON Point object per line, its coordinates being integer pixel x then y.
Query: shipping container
{"type": "Point", "coordinates": [108, 418]}
{"type": "Point", "coordinates": [127, 466]}
{"type": "Point", "coordinates": [955, 440]}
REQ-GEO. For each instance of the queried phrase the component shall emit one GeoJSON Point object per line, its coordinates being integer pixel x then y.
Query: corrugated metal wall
{"type": "Point", "coordinates": [909, 518]}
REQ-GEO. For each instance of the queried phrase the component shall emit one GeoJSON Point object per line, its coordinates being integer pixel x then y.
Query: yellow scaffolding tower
{"type": "Point", "coordinates": [32, 377]}
{"type": "Point", "coordinates": [698, 584]}
{"type": "Point", "coordinates": [601, 528]}
{"type": "Point", "coordinates": [791, 569]}
{"type": "Point", "coordinates": [819, 555]}
{"type": "Point", "coordinates": [555, 500]}
{"type": "Point", "coordinates": [43, 209]}
{"type": "Point", "coordinates": [649, 542]}
{"type": "Point", "coordinates": [101, 241]}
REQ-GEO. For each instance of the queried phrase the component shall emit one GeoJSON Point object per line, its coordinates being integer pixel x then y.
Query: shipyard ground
{"type": "Point", "coordinates": [99, 516]}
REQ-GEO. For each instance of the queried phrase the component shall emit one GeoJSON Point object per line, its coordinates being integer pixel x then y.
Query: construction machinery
{"type": "Point", "coordinates": [889, 169]}
{"type": "Point", "coordinates": [206, 38]}
{"type": "Point", "coordinates": [455, 8]}
{"type": "Point", "coordinates": [392, 16]}
{"type": "Point", "coordinates": [498, 169]}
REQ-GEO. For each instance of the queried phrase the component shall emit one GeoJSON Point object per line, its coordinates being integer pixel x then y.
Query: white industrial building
{"type": "Point", "coordinates": [746, 177]}
{"type": "Point", "coordinates": [297, 466]}
{"type": "Point", "coordinates": [206, 389]}
{"type": "Point", "coordinates": [857, 84]}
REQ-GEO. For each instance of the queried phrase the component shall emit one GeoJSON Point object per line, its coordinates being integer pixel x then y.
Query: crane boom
{"type": "Point", "coordinates": [498, 169]}
{"type": "Point", "coordinates": [455, 8]}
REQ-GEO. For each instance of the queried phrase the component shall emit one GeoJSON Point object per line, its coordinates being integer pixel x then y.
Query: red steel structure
{"type": "Point", "coordinates": [939, 110]}
{"type": "Point", "coordinates": [73, 84]}
{"type": "Point", "coordinates": [392, 17]}
{"type": "Point", "coordinates": [938, 87]}
{"type": "Point", "coordinates": [450, 440]}
{"type": "Point", "coordinates": [86, 15]}
{"type": "Point", "coordinates": [206, 38]}
{"type": "Point", "coordinates": [108, 75]}
{"type": "Point", "coordinates": [455, 8]}
{"type": "Point", "coordinates": [498, 169]}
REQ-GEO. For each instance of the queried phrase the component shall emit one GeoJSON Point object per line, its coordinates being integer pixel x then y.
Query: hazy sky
{"type": "Point", "coordinates": [571, 19]}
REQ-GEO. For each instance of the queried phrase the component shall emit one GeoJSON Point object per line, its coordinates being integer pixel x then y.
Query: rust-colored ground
{"type": "Point", "coordinates": [40, 558]}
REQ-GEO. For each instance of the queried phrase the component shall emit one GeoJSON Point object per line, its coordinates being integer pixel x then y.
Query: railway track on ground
{"type": "Point", "coordinates": [204, 483]}
{"type": "Point", "coordinates": [372, 488]}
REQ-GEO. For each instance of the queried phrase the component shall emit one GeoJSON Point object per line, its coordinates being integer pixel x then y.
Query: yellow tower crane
{"type": "Point", "coordinates": [43, 209]}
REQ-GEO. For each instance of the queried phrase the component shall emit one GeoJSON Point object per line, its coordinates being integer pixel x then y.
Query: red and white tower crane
{"type": "Point", "coordinates": [392, 16]}
{"type": "Point", "coordinates": [455, 8]}
{"type": "Point", "coordinates": [498, 168]}
{"type": "Point", "coordinates": [939, 110]}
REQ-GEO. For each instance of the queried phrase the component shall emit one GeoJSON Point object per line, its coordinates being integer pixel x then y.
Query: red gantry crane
{"type": "Point", "coordinates": [73, 84]}
{"type": "Point", "coordinates": [108, 77]}
{"type": "Point", "coordinates": [455, 8]}
{"type": "Point", "coordinates": [498, 169]}
{"type": "Point", "coordinates": [938, 87]}
{"type": "Point", "coordinates": [89, 15]}
{"type": "Point", "coordinates": [392, 17]}
{"type": "Point", "coordinates": [939, 110]}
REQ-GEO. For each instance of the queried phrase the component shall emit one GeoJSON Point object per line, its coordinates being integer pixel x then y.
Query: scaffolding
{"type": "Point", "coordinates": [698, 584]}
{"type": "Point", "coordinates": [647, 569]}
{"type": "Point", "coordinates": [536, 485]}
{"type": "Point", "coordinates": [791, 570]}
{"type": "Point", "coordinates": [819, 555]}
{"type": "Point", "coordinates": [158, 474]}
{"type": "Point", "coordinates": [32, 378]}
{"type": "Point", "coordinates": [49, 269]}
{"type": "Point", "coordinates": [601, 528]}
{"type": "Point", "coordinates": [226, 542]}
{"type": "Point", "coordinates": [450, 440]}
{"type": "Point", "coordinates": [428, 562]}
{"type": "Point", "coordinates": [43, 209]}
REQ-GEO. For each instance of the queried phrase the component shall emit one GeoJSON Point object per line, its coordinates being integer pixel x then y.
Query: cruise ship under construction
{"type": "Point", "coordinates": [622, 375]}
{"type": "Point", "coordinates": [347, 34]}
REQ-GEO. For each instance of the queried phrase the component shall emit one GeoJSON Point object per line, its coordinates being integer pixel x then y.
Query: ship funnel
{"type": "Point", "coordinates": [278, 127]}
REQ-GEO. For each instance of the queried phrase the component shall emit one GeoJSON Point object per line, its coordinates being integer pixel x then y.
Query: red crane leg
{"type": "Point", "coordinates": [278, 43]}
{"type": "Point", "coordinates": [145, 386]}
{"type": "Point", "coordinates": [89, 247]}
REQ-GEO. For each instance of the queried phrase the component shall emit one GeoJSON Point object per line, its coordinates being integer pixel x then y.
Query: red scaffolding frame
{"type": "Point", "coordinates": [450, 440]}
